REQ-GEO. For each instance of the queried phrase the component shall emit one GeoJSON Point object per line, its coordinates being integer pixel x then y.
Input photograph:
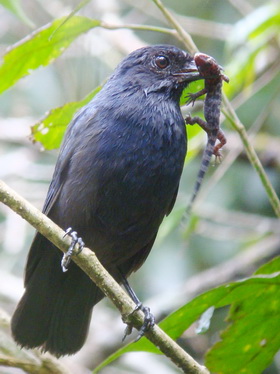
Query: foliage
{"type": "Point", "coordinates": [15, 7]}
{"type": "Point", "coordinates": [252, 55]}
{"type": "Point", "coordinates": [50, 130]}
{"type": "Point", "coordinates": [41, 48]}
{"type": "Point", "coordinates": [251, 340]}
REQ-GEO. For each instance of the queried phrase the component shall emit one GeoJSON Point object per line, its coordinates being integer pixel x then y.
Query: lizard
{"type": "Point", "coordinates": [213, 77]}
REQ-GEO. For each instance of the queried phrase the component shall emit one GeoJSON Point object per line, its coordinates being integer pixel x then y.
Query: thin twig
{"type": "Point", "coordinates": [252, 155]}
{"type": "Point", "coordinates": [193, 25]}
{"type": "Point", "coordinates": [233, 154]}
{"type": "Point", "coordinates": [230, 114]}
{"type": "Point", "coordinates": [46, 364]}
{"type": "Point", "coordinates": [164, 30]}
{"type": "Point", "coordinates": [89, 263]}
{"type": "Point", "coordinates": [74, 11]}
{"type": "Point", "coordinates": [182, 34]}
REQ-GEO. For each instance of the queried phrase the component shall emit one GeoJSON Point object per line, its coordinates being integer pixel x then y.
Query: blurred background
{"type": "Point", "coordinates": [233, 228]}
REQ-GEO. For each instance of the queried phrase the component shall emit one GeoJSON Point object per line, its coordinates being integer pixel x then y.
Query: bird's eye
{"type": "Point", "coordinates": [162, 62]}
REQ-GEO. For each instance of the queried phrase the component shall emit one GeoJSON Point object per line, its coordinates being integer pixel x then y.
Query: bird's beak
{"type": "Point", "coordinates": [188, 73]}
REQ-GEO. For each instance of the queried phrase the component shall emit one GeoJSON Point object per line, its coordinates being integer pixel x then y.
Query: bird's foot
{"type": "Point", "coordinates": [66, 259]}
{"type": "Point", "coordinates": [149, 322]}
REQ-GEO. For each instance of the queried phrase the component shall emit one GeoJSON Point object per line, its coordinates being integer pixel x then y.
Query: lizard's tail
{"type": "Point", "coordinates": [206, 158]}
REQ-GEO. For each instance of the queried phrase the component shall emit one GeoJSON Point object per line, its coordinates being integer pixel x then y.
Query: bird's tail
{"type": "Point", "coordinates": [55, 310]}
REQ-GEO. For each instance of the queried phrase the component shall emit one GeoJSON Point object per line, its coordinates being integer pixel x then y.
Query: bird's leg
{"type": "Point", "coordinates": [66, 259]}
{"type": "Point", "coordinates": [149, 319]}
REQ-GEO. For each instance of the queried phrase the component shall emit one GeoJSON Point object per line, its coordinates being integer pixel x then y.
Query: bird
{"type": "Point", "coordinates": [115, 179]}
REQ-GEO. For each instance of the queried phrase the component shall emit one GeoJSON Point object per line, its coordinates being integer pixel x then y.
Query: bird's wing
{"type": "Point", "coordinates": [68, 148]}
{"type": "Point", "coordinates": [55, 186]}
{"type": "Point", "coordinates": [172, 202]}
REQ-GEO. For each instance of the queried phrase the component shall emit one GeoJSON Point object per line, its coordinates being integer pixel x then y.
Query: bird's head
{"type": "Point", "coordinates": [161, 69]}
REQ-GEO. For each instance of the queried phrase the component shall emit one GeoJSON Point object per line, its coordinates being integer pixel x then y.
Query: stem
{"type": "Point", "coordinates": [164, 30]}
{"type": "Point", "coordinates": [230, 114]}
{"type": "Point", "coordinates": [182, 34]}
{"type": "Point", "coordinates": [46, 365]}
{"type": "Point", "coordinates": [252, 155]}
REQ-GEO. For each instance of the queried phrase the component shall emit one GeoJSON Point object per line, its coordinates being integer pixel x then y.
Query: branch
{"type": "Point", "coordinates": [133, 26]}
{"type": "Point", "coordinates": [181, 33]}
{"type": "Point", "coordinates": [252, 155]}
{"type": "Point", "coordinates": [47, 364]}
{"type": "Point", "coordinates": [230, 114]}
{"type": "Point", "coordinates": [89, 263]}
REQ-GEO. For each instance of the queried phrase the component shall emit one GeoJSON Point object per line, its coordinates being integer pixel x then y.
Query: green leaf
{"type": "Point", "coordinates": [41, 48]}
{"type": "Point", "coordinates": [252, 339]}
{"type": "Point", "coordinates": [269, 268]}
{"type": "Point", "coordinates": [14, 6]}
{"type": "Point", "coordinates": [74, 11]}
{"type": "Point", "coordinates": [263, 288]}
{"type": "Point", "coordinates": [251, 37]}
{"type": "Point", "coordinates": [255, 24]}
{"type": "Point", "coordinates": [50, 130]}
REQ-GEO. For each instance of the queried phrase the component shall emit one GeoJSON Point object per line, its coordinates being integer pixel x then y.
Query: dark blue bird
{"type": "Point", "coordinates": [116, 177]}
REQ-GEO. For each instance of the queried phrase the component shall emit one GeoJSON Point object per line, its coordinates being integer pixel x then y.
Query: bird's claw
{"type": "Point", "coordinates": [149, 322]}
{"type": "Point", "coordinates": [66, 259]}
{"type": "Point", "coordinates": [127, 331]}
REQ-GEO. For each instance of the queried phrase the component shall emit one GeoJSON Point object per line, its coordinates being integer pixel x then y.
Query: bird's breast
{"type": "Point", "coordinates": [128, 178]}
{"type": "Point", "coordinates": [140, 173]}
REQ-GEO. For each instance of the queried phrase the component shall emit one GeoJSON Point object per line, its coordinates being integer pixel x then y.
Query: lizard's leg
{"type": "Point", "coordinates": [193, 96]}
{"type": "Point", "coordinates": [223, 140]}
{"type": "Point", "coordinates": [205, 126]}
{"type": "Point", "coordinates": [199, 121]}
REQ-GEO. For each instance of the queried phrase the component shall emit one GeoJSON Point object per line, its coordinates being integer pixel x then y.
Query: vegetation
{"type": "Point", "coordinates": [213, 277]}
